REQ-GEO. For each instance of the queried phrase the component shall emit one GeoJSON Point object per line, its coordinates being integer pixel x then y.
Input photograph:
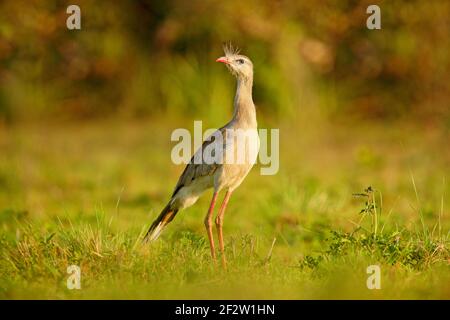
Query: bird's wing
{"type": "Point", "coordinates": [194, 170]}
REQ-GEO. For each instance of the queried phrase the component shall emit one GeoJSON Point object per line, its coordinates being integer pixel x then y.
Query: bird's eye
{"type": "Point", "coordinates": [240, 61]}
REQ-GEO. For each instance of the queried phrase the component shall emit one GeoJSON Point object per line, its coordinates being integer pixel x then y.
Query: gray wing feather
{"type": "Point", "coordinates": [195, 170]}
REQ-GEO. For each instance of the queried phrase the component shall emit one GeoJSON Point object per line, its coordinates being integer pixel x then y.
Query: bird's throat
{"type": "Point", "coordinates": [244, 108]}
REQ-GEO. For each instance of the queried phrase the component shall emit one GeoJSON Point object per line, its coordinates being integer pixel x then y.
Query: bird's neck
{"type": "Point", "coordinates": [244, 108]}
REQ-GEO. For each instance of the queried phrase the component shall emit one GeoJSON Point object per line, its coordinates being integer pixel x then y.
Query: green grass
{"type": "Point", "coordinates": [84, 194]}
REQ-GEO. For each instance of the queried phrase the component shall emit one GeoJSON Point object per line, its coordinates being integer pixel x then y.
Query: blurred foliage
{"type": "Point", "coordinates": [147, 57]}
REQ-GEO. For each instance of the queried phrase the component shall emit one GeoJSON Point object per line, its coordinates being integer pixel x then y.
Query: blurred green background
{"type": "Point", "coordinates": [85, 123]}
{"type": "Point", "coordinates": [147, 58]}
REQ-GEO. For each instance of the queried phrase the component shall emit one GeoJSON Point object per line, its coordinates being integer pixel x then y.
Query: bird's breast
{"type": "Point", "coordinates": [241, 152]}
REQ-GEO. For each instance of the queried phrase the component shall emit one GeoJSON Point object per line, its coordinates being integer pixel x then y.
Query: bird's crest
{"type": "Point", "coordinates": [230, 50]}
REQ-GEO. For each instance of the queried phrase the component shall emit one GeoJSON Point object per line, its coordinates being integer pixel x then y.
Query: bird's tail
{"type": "Point", "coordinates": [166, 215]}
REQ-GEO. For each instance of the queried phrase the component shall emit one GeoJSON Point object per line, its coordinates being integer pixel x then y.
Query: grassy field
{"type": "Point", "coordinates": [83, 194]}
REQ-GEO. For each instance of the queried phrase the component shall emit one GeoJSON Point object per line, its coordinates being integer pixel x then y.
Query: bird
{"type": "Point", "coordinates": [235, 147]}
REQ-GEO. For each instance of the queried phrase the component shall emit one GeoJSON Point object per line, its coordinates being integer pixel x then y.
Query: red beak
{"type": "Point", "coordinates": [223, 60]}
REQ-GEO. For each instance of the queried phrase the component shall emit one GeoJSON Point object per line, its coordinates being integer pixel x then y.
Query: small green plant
{"type": "Point", "coordinates": [402, 247]}
{"type": "Point", "coordinates": [370, 207]}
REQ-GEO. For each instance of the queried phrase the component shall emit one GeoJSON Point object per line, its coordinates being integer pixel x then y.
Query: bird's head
{"type": "Point", "coordinates": [239, 65]}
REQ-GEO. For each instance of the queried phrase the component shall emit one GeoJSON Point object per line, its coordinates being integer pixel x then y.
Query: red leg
{"type": "Point", "coordinates": [208, 225]}
{"type": "Point", "coordinates": [219, 224]}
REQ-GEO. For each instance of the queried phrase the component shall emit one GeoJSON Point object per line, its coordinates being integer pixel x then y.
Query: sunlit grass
{"type": "Point", "coordinates": [84, 194]}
